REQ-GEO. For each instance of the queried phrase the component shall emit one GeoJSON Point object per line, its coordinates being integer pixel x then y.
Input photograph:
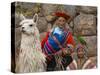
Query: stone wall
{"type": "Point", "coordinates": [83, 21]}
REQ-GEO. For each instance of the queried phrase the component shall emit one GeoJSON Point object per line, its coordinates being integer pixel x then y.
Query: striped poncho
{"type": "Point", "coordinates": [56, 41]}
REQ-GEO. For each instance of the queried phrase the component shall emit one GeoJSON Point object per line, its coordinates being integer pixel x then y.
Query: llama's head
{"type": "Point", "coordinates": [28, 26]}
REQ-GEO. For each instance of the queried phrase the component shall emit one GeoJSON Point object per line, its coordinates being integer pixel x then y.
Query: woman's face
{"type": "Point", "coordinates": [61, 21]}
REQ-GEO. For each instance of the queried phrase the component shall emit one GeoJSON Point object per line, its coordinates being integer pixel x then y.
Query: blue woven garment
{"type": "Point", "coordinates": [58, 35]}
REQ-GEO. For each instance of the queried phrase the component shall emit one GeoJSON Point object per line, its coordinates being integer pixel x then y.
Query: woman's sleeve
{"type": "Point", "coordinates": [44, 40]}
{"type": "Point", "coordinates": [70, 42]}
{"type": "Point", "coordinates": [70, 39]}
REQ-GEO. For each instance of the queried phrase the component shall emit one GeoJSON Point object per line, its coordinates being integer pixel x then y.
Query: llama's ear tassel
{"type": "Point", "coordinates": [35, 18]}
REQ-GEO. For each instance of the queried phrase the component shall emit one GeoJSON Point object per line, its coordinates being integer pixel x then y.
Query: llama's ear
{"type": "Point", "coordinates": [22, 17]}
{"type": "Point", "coordinates": [35, 18]}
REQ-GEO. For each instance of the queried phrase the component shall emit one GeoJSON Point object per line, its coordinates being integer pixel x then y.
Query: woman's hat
{"type": "Point", "coordinates": [62, 14]}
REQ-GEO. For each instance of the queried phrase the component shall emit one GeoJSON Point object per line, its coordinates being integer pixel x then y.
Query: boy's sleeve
{"type": "Point", "coordinates": [44, 40]}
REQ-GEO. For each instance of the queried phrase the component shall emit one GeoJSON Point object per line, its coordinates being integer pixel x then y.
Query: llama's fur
{"type": "Point", "coordinates": [31, 58]}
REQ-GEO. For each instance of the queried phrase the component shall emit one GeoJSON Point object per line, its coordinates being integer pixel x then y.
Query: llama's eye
{"type": "Point", "coordinates": [30, 25]}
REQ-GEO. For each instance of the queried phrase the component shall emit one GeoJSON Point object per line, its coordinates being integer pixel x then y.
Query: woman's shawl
{"type": "Point", "coordinates": [57, 39]}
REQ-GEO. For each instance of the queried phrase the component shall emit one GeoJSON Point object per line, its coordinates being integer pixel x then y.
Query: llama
{"type": "Point", "coordinates": [31, 58]}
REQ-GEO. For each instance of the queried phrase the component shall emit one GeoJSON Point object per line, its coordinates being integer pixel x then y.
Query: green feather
{"type": "Point", "coordinates": [81, 40]}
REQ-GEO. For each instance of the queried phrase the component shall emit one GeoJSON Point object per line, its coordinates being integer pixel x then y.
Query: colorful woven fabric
{"type": "Point", "coordinates": [56, 40]}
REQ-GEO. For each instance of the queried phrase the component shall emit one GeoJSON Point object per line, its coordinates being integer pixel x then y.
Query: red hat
{"type": "Point", "coordinates": [62, 14]}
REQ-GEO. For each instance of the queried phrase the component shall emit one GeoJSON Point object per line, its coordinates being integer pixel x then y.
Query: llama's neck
{"type": "Point", "coordinates": [31, 56]}
{"type": "Point", "coordinates": [30, 41]}
{"type": "Point", "coordinates": [27, 40]}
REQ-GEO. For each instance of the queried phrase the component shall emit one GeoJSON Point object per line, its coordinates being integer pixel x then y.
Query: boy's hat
{"type": "Point", "coordinates": [79, 46]}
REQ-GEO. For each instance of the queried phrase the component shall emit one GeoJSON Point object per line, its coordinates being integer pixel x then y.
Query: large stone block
{"type": "Point", "coordinates": [71, 10]}
{"type": "Point", "coordinates": [42, 24]}
{"type": "Point", "coordinates": [48, 9]}
{"type": "Point", "coordinates": [85, 24]}
{"type": "Point", "coordinates": [87, 9]}
{"type": "Point", "coordinates": [92, 45]}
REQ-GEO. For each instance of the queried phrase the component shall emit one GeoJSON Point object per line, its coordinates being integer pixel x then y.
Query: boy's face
{"type": "Point", "coordinates": [80, 53]}
{"type": "Point", "coordinates": [61, 21]}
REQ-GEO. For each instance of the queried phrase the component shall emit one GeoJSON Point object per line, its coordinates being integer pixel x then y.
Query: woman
{"type": "Point", "coordinates": [57, 42]}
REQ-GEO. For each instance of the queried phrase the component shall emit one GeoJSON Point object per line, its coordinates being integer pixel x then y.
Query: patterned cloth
{"type": "Point", "coordinates": [88, 64]}
{"type": "Point", "coordinates": [56, 41]}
